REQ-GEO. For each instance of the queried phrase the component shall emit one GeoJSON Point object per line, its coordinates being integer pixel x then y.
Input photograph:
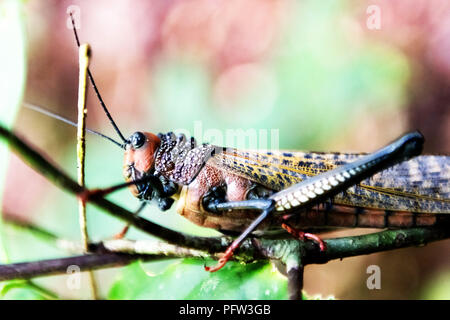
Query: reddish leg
{"type": "Point", "coordinates": [304, 235]}
{"type": "Point", "coordinates": [222, 261]}
{"type": "Point", "coordinates": [296, 233]}
{"type": "Point", "coordinates": [124, 231]}
{"type": "Point", "coordinates": [265, 205]}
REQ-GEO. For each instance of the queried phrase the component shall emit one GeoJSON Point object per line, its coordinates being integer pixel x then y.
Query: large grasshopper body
{"type": "Point", "coordinates": [408, 194]}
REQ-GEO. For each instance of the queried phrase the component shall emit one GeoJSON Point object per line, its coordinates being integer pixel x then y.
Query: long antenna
{"type": "Point", "coordinates": [58, 117]}
{"type": "Point", "coordinates": [91, 78]}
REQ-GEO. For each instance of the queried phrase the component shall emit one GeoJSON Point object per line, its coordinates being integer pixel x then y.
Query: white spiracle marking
{"type": "Point", "coordinates": [311, 195]}
{"type": "Point", "coordinates": [326, 187]}
{"type": "Point", "coordinates": [333, 181]}
{"type": "Point", "coordinates": [318, 190]}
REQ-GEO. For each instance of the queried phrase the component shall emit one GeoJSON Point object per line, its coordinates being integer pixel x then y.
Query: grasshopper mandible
{"type": "Point", "coordinates": [246, 192]}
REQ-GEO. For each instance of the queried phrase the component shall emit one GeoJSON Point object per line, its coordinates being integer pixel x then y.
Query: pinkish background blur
{"type": "Point", "coordinates": [312, 69]}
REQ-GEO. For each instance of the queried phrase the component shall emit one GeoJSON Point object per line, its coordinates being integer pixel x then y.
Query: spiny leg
{"type": "Point", "coordinates": [326, 185]}
{"type": "Point", "coordinates": [304, 235]}
{"type": "Point", "coordinates": [266, 206]}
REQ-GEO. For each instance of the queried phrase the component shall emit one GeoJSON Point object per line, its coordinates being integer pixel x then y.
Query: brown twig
{"type": "Point", "coordinates": [127, 252]}
{"type": "Point", "coordinates": [81, 138]}
{"type": "Point", "coordinates": [28, 270]}
{"type": "Point", "coordinates": [84, 53]}
{"type": "Point", "coordinates": [103, 257]}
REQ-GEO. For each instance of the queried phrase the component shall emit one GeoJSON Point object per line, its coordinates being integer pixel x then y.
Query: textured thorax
{"type": "Point", "coordinates": [180, 159]}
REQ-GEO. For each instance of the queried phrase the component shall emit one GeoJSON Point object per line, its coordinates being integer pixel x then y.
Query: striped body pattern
{"type": "Point", "coordinates": [420, 185]}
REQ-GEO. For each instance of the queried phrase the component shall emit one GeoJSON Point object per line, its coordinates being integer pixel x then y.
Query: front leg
{"type": "Point", "coordinates": [164, 200]}
{"type": "Point", "coordinates": [265, 206]}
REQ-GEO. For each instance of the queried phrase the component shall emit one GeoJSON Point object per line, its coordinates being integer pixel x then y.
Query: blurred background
{"type": "Point", "coordinates": [329, 75]}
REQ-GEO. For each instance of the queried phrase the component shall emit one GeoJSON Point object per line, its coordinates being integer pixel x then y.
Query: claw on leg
{"type": "Point", "coordinates": [222, 261]}
{"type": "Point", "coordinates": [305, 235]}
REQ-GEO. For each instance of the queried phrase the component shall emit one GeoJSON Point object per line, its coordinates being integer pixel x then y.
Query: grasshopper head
{"type": "Point", "coordinates": [139, 157]}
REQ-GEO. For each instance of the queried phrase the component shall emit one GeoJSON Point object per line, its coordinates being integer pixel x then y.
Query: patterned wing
{"type": "Point", "coordinates": [418, 185]}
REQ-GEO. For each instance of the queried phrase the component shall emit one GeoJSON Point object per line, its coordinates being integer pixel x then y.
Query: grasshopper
{"type": "Point", "coordinates": [244, 192]}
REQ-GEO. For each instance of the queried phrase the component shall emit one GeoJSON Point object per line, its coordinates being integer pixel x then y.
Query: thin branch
{"type": "Point", "coordinates": [46, 293]}
{"type": "Point", "coordinates": [42, 234]}
{"type": "Point", "coordinates": [147, 246]}
{"type": "Point", "coordinates": [260, 249]}
{"type": "Point", "coordinates": [109, 253]}
{"type": "Point", "coordinates": [150, 247]}
{"type": "Point", "coordinates": [339, 248]}
{"type": "Point", "coordinates": [28, 270]}
{"type": "Point", "coordinates": [83, 57]}
{"type": "Point", "coordinates": [81, 138]}
{"type": "Point", "coordinates": [20, 223]}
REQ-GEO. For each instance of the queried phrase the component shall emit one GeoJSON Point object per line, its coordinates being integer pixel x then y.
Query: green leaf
{"type": "Point", "coordinates": [12, 79]}
{"type": "Point", "coordinates": [7, 286]}
{"type": "Point", "coordinates": [186, 279]}
{"type": "Point", "coordinates": [19, 290]}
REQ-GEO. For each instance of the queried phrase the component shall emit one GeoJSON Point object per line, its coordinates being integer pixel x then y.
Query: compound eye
{"type": "Point", "coordinates": [137, 140]}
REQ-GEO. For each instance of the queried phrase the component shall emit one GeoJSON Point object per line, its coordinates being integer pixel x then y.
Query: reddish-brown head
{"type": "Point", "coordinates": [139, 157]}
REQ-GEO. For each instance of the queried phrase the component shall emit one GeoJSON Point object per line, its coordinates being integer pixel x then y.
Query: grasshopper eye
{"type": "Point", "coordinates": [137, 140]}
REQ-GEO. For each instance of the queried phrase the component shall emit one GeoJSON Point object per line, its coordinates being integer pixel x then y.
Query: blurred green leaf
{"type": "Point", "coordinates": [12, 81]}
{"type": "Point", "coordinates": [186, 279]}
{"type": "Point", "coordinates": [19, 290]}
{"type": "Point", "coordinates": [438, 288]}
{"type": "Point", "coordinates": [12, 59]}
